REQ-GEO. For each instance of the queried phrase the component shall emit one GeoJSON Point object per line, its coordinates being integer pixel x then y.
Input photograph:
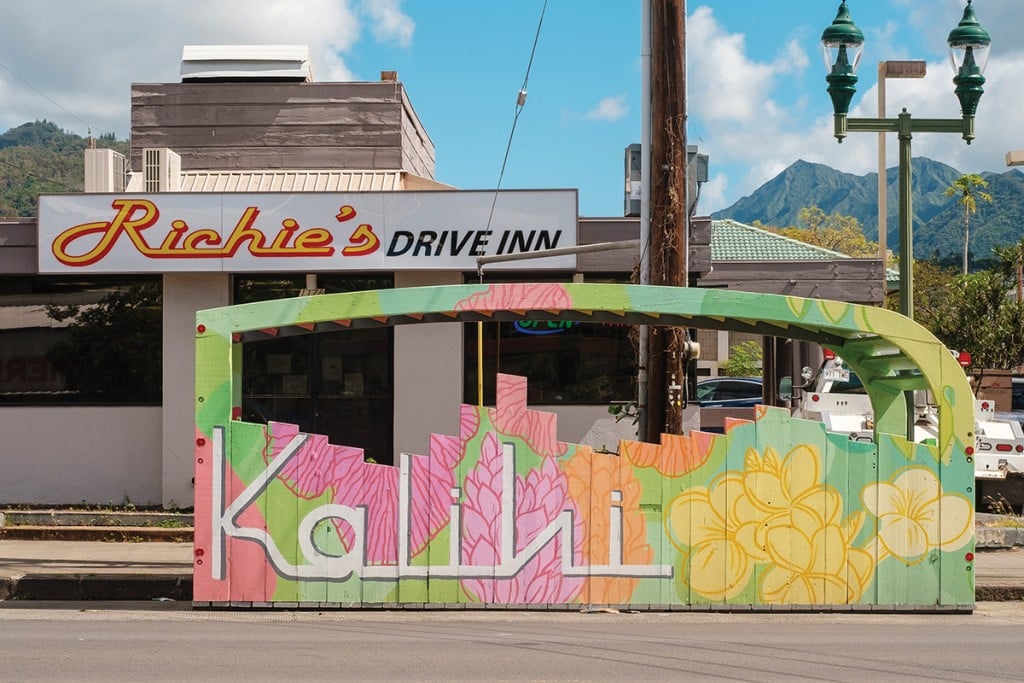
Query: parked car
{"type": "Point", "coordinates": [730, 392]}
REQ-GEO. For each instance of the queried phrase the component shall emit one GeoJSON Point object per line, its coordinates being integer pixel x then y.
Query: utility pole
{"type": "Point", "coordinates": [667, 346]}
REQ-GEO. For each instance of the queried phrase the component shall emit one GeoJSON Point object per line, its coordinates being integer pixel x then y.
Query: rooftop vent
{"type": "Point", "coordinates": [228, 63]}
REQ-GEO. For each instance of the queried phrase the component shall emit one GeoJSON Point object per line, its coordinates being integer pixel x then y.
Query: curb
{"type": "Point", "coordinates": [998, 537]}
{"type": "Point", "coordinates": [92, 587]}
{"type": "Point", "coordinates": [179, 588]}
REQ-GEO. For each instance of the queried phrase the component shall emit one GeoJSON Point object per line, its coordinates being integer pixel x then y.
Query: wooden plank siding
{"type": "Point", "coordinates": [267, 114]}
{"type": "Point", "coordinates": [287, 135]}
{"type": "Point", "coordinates": [854, 280]}
{"type": "Point", "coordinates": [281, 125]}
{"type": "Point", "coordinates": [417, 147]}
{"type": "Point", "coordinates": [596, 230]}
{"type": "Point", "coordinates": [19, 254]}
{"type": "Point", "coordinates": [320, 158]}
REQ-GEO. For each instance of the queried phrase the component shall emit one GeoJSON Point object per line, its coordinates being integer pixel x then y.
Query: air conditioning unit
{"type": "Point", "coordinates": [105, 171]}
{"type": "Point", "coordinates": [161, 170]}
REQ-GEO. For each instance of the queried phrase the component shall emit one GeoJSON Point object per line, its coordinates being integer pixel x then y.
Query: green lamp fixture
{"type": "Point", "coordinates": [968, 52]}
{"type": "Point", "coordinates": [842, 45]}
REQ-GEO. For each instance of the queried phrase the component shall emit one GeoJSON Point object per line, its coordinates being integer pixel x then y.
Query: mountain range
{"type": "Point", "coordinates": [938, 221]}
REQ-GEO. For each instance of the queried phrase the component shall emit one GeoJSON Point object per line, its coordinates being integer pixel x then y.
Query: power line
{"type": "Point", "coordinates": [520, 103]}
{"type": "Point", "coordinates": [46, 97]}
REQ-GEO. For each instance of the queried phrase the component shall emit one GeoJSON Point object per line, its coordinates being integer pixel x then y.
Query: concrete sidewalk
{"type": "Point", "coordinates": [90, 570]}
{"type": "Point", "coordinates": [94, 570]}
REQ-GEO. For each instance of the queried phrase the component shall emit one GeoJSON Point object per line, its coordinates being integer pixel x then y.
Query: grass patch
{"type": "Point", "coordinates": [172, 524]}
{"type": "Point", "coordinates": [998, 505]}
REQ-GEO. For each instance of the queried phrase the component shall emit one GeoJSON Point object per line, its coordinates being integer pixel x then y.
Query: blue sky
{"type": "Point", "coordinates": [757, 99]}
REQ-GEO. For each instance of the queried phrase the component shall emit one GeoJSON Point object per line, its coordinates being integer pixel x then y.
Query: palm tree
{"type": "Point", "coordinates": [967, 190]}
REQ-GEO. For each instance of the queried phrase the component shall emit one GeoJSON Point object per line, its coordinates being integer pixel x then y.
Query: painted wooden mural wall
{"type": "Point", "coordinates": [774, 512]}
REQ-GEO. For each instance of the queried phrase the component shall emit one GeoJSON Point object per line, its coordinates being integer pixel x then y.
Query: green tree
{"type": "Point", "coordinates": [41, 134]}
{"type": "Point", "coordinates": [1012, 260]}
{"type": "Point", "coordinates": [744, 360]}
{"type": "Point", "coordinates": [932, 281]}
{"type": "Point", "coordinates": [834, 231]}
{"type": "Point", "coordinates": [968, 191]}
{"type": "Point", "coordinates": [978, 316]}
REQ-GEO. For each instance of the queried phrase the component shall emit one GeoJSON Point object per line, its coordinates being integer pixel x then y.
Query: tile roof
{"type": "Point", "coordinates": [733, 241]}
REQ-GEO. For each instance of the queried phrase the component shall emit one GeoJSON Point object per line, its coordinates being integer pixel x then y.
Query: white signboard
{"type": "Point", "coordinates": [304, 232]}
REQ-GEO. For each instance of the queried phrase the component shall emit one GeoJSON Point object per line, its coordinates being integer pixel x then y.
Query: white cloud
{"type": "Point", "coordinates": [1003, 20]}
{"type": "Point", "coordinates": [390, 23]}
{"type": "Point", "coordinates": [142, 41]}
{"type": "Point", "coordinates": [609, 109]}
{"type": "Point", "coordinates": [713, 193]}
{"type": "Point", "coordinates": [723, 84]}
{"type": "Point", "coordinates": [733, 111]}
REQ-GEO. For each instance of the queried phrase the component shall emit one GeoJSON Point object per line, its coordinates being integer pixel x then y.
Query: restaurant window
{"type": "Point", "coordinates": [81, 341]}
{"type": "Point", "coordinates": [339, 384]}
{"type": "Point", "coordinates": [564, 362]}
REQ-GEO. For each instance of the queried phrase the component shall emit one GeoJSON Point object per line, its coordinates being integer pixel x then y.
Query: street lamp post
{"type": "Point", "coordinates": [889, 69]}
{"type": "Point", "coordinates": [968, 44]}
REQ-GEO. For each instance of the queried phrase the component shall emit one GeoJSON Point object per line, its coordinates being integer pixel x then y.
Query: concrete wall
{"type": "Point", "coordinates": [184, 294]}
{"type": "Point", "coordinates": [427, 372]}
{"type": "Point", "coordinates": [575, 422]}
{"type": "Point", "coordinates": [64, 455]}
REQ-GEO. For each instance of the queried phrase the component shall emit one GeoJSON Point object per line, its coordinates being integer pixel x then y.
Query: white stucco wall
{"type": "Point", "coordinates": [428, 372]}
{"type": "Point", "coordinates": [68, 455]}
{"type": "Point", "coordinates": [184, 294]}
{"type": "Point", "coordinates": [576, 422]}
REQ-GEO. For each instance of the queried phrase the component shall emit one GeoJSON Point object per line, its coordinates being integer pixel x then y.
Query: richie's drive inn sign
{"type": "Point", "coordinates": [306, 232]}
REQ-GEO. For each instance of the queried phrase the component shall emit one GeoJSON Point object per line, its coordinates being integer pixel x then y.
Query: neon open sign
{"type": "Point", "coordinates": [543, 326]}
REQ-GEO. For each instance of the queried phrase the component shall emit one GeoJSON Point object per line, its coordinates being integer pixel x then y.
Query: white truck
{"type": "Point", "coordinates": [836, 397]}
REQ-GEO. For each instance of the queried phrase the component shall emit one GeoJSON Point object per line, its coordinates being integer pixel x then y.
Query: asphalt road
{"type": "Point", "coordinates": [170, 642]}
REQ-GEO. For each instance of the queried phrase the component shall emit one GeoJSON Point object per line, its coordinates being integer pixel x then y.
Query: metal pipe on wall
{"type": "Point", "coordinates": [645, 207]}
